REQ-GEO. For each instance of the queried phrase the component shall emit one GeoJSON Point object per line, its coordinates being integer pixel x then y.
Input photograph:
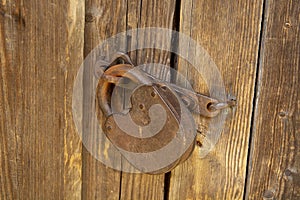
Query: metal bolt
{"type": "Point", "coordinates": [221, 105]}
{"type": "Point", "coordinates": [287, 25]}
{"type": "Point", "coordinates": [141, 106]}
{"type": "Point", "coordinates": [287, 172]}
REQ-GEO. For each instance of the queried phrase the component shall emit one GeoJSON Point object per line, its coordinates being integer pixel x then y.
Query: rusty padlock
{"type": "Point", "coordinates": [157, 132]}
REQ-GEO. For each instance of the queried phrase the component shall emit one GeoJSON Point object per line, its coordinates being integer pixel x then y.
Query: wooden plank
{"type": "Point", "coordinates": [41, 45]}
{"type": "Point", "coordinates": [143, 14]}
{"type": "Point", "coordinates": [275, 154]}
{"type": "Point", "coordinates": [103, 20]}
{"type": "Point", "coordinates": [130, 15]}
{"type": "Point", "coordinates": [229, 31]}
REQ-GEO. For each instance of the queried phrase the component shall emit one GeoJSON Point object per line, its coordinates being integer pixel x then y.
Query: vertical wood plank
{"type": "Point", "coordinates": [103, 19]}
{"type": "Point", "coordinates": [99, 181]}
{"type": "Point", "coordinates": [274, 165]}
{"type": "Point", "coordinates": [229, 31]}
{"type": "Point", "coordinates": [40, 152]}
{"type": "Point", "coordinates": [143, 14]}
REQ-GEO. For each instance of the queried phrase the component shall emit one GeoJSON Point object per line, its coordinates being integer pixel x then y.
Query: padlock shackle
{"type": "Point", "coordinates": [117, 71]}
{"type": "Point", "coordinates": [103, 95]}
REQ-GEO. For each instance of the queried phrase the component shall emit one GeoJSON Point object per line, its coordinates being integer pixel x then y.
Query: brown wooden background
{"type": "Point", "coordinates": [255, 44]}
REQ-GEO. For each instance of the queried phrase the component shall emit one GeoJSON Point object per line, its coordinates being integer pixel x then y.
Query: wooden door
{"type": "Point", "coordinates": [256, 46]}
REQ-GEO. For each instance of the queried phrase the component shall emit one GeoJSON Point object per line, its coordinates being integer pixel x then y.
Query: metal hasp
{"type": "Point", "coordinates": [132, 126]}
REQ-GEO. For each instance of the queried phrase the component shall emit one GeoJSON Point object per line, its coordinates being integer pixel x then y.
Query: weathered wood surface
{"type": "Point", "coordinates": [275, 155]}
{"type": "Point", "coordinates": [141, 14]}
{"type": "Point", "coordinates": [229, 31]}
{"type": "Point", "coordinates": [99, 181]}
{"type": "Point", "coordinates": [41, 46]}
{"type": "Point", "coordinates": [127, 15]}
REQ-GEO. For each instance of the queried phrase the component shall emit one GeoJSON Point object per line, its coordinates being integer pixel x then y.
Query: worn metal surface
{"type": "Point", "coordinates": [140, 130]}
{"type": "Point", "coordinates": [195, 102]}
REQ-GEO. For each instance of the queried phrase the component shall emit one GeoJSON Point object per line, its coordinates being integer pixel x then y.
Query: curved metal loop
{"type": "Point", "coordinates": [102, 65]}
{"type": "Point", "coordinates": [222, 105]}
{"type": "Point", "coordinates": [120, 56]}
{"type": "Point", "coordinates": [112, 76]}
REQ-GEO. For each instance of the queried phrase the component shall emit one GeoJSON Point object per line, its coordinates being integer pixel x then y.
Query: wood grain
{"type": "Point", "coordinates": [143, 14]}
{"type": "Point", "coordinates": [103, 19]}
{"type": "Point", "coordinates": [275, 154]}
{"type": "Point", "coordinates": [41, 47]}
{"type": "Point", "coordinates": [229, 31]}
